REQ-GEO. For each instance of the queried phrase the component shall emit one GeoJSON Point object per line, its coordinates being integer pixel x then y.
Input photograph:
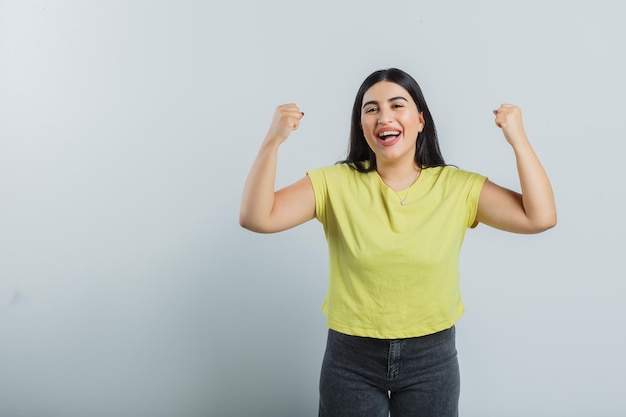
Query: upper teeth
{"type": "Point", "coordinates": [388, 132]}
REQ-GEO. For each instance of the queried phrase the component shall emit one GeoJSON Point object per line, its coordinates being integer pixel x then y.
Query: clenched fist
{"type": "Point", "coordinates": [286, 119]}
{"type": "Point", "coordinates": [509, 119]}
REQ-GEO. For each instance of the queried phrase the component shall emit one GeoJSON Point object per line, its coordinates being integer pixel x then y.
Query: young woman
{"type": "Point", "coordinates": [395, 216]}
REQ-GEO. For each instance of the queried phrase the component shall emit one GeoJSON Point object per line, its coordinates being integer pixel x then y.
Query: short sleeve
{"type": "Point", "coordinates": [476, 182]}
{"type": "Point", "coordinates": [320, 189]}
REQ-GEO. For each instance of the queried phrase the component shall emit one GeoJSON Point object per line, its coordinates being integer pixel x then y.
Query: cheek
{"type": "Point", "coordinates": [365, 126]}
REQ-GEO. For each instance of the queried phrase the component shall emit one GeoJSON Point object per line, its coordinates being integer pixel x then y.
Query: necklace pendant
{"type": "Point", "coordinates": [402, 202]}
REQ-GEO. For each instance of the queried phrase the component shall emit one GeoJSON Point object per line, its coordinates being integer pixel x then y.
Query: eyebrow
{"type": "Point", "coordinates": [390, 100]}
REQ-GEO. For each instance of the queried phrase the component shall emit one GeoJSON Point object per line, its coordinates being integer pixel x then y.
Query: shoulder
{"type": "Point", "coordinates": [452, 179]}
{"type": "Point", "coordinates": [452, 174]}
{"type": "Point", "coordinates": [337, 171]}
{"type": "Point", "coordinates": [333, 182]}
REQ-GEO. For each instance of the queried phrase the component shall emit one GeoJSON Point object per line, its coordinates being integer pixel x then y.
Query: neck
{"type": "Point", "coordinates": [398, 176]}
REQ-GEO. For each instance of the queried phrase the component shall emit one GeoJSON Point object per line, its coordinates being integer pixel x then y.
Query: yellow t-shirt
{"type": "Point", "coordinates": [394, 269]}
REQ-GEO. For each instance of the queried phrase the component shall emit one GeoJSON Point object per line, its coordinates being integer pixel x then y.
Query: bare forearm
{"type": "Point", "coordinates": [537, 195]}
{"type": "Point", "coordinates": [533, 210]}
{"type": "Point", "coordinates": [263, 209]}
{"type": "Point", "coordinates": [258, 192]}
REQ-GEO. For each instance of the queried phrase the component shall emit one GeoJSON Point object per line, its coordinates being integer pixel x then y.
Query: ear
{"type": "Point", "coordinates": [421, 122]}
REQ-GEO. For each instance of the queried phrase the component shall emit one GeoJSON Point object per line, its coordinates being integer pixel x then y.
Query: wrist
{"type": "Point", "coordinates": [270, 144]}
{"type": "Point", "coordinates": [517, 138]}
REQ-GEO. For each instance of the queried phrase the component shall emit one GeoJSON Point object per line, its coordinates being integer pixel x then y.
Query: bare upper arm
{"type": "Point", "coordinates": [293, 205]}
{"type": "Point", "coordinates": [503, 209]}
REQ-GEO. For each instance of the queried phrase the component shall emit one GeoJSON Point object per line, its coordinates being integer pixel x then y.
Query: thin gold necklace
{"type": "Point", "coordinates": [403, 200]}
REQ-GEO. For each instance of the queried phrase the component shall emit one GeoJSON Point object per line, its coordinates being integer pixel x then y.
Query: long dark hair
{"type": "Point", "coordinates": [427, 152]}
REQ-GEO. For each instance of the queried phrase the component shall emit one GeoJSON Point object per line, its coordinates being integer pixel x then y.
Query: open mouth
{"type": "Point", "coordinates": [388, 134]}
{"type": "Point", "coordinates": [388, 137]}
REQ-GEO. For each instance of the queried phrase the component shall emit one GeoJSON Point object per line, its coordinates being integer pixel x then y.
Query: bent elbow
{"type": "Point", "coordinates": [545, 224]}
{"type": "Point", "coordinates": [550, 224]}
{"type": "Point", "coordinates": [246, 223]}
{"type": "Point", "coordinates": [551, 221]}
{"type": "Point", "coordinates": [243, 223]}
{"type": "Point", "coordinates": [252, 226]}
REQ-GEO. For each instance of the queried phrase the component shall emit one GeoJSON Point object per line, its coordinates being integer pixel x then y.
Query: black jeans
{"type": "Point", "coordinates": [365, 377]}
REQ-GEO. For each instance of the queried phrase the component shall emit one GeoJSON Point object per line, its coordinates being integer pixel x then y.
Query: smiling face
{"type": "Point", "coordinates": [391, 122]}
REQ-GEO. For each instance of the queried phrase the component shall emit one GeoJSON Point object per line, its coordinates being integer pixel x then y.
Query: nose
{"type": "Point", "coordinates": [384, 117]}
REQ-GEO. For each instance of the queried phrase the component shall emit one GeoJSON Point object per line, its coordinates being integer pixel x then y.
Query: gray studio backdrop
{"type": "Point", "coordinates": [127, 287]}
